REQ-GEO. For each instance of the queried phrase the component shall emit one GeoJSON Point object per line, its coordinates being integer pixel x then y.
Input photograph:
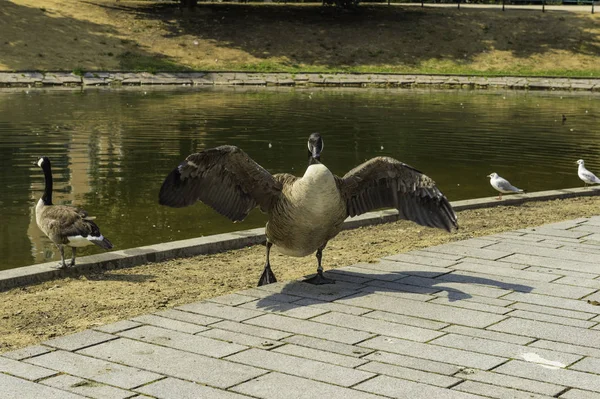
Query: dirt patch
{"type": "Point", "coordinates": [30, 315]}
{"type": "Point", "coordinates": [151, 35]}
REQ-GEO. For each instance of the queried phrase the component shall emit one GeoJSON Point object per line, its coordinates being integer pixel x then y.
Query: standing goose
{"type": "Point", "coordinates": [304, 212]}
{"type": "Point", "coordinates": [502, 185]}
{"type": "Point", "coordinates": [585, 175]}
{"type": "Point", "coordinates": [65, 225]}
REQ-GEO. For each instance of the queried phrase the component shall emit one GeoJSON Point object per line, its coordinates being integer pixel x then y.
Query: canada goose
{"type": "Point", "coordinates": [65, 225]}
{"type": "Point", "coordinates": [502, 185]}
{"type": "Point", "coordinates": [304, 212]}
{"type": "Point", "coordinates": [585, 175]}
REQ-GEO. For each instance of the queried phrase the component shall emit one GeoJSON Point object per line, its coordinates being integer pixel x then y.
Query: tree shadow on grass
{"type": "Point", "coordinates": [40, 39]}
{"type": "Point", "coordinates": [377, 35]}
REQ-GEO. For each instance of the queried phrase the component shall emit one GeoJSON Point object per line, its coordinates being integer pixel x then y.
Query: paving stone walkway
{"type": "Point", "coordinates": [513, 315]}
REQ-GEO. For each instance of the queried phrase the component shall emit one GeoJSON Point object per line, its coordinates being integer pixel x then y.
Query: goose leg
{"type": "Point", "coordinates": [74, 249]}
{"type": "Point", "coordinates": [319, 278]}
{"type": "Point", "coordinates": [267, 276]}
{"type": "Point", "coordinates": [62, 264]}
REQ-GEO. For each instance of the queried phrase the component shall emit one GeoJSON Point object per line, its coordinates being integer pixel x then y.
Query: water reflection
{"type": "Point", "coordinates": [111, 149]}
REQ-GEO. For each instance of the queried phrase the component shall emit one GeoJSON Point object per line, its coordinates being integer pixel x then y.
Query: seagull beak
{"type": "Point", "coordinates": [489, 176]}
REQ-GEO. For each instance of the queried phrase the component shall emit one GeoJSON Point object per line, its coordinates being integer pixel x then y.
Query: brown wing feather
{"type": "Point", "coordinates": [225, 178]}
{"type": "Point", "coordinates": [384, 182]}
{"type": "Point", "coordinates": [62, 221]}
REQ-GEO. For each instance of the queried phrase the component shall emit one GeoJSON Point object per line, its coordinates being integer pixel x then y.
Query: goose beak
{"type": "Point", "coordinates": [316, 153]}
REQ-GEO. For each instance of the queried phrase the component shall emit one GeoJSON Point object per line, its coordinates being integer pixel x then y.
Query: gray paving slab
{"type": "Point", "coordinates": [24, 370]}
{"type": "Point", "coordinates": [428, 311]}
{"type": "Point", "coordinates": [504, 349]}
{"type": "Point", "coordinates": [220, 311]}
{"type": "Point", "coordinates": [79, 340]}
{"type": "Point", "coordinates": [27, 352]}
{"type": "Point", "coordinates": [497, 392]}
{"type": "Point", "coordinates": [328, 346]}
{"type": "Point", "coordinates": [173, 362]}
{"type": "Point", "coordinates": [173, 388]}
{"type": "Point", "coordinates": [415, 260]}
{"type": "Point", "coordinates": [407, 320]}
{"type": "Point", "coordinates": [489, 335]}
{"type": "Point", "coordinates": [232, 299]}
{"type": "Point", "coordinates": [239, 338]}
{"type": "Point", "coordinates": [188, 317]}
{"type": "Point", "coordinates": [186, 342]}
{"type": "Point", "coordinates": [310, 328]}
{"type": "Point", "coordinates": [332, 306]}
{"type": "Point", "coordinates": [485, 253]}
{"type": "Point", "coordinates": [397, 388]}
{"type": "Point", "coordinates": [397, 268]}
{"type": "Point", "coordinates": [87, 388]}
{"type": "Point", "coordinates": [170, 324]}
{"type": "Point", "coordinates": [569, 378]}
{"type": "Point", "coordinates": [263, 332]}
{"type": "Point", "coordinates": [406, 373]}
{"type": "Point", "coordinates": [16, 388]}
{"type": "Point", "coordinates": [549, 301]}
{"type": "Point", "coordinates": [508, 381]}
{"type": "Point", "coordinates": [553, 263]}
{"type": "Point", "coordinates": [105, 371]}
{"type": "Point", "coordinates": [284, 308]}
{"type": "Point", "coordinates": [433, 352]}
{"type": "Point", "coordinates": [276, 386]}
{"type": "Point", "coordinates": [549, 331]}
{"type": "Point", "coordinates": [118, 326]}
{"type": "Point", "coordinates": [579, 394]}
{"type": "Point", "coordinates": [523, 314]}
{"type": "Point", "coordinates": [376, 326]}
{"type": "Point", "coordinates": [431, 366]}
{"type": "Point", "coordinates": [565, 347]}
{"type": "Point", "coordinates": [589, 364]}
{"type": "Point", "coordinates": [321, 356]}
{"type": "Point", "coordinates": [306, 368]}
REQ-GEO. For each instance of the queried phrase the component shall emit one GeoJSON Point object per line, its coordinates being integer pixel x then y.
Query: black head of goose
{"type": "Point", "coordinates": [65, 225]}
{"type": "Point", "coordinates": [304, 212]}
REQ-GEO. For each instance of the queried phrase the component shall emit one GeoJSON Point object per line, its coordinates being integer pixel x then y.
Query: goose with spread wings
{"type": "Point", "coordinates": [304, 212]}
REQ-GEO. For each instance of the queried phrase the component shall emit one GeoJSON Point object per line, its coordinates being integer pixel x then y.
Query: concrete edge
{"type": "Point", "coordinates": [208, 78]}
{"type": "Point", "coordinates": [239, 239]}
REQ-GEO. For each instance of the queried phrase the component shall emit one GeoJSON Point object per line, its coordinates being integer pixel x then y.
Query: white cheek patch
{"type": "Point", "coordinates": [40, 162]}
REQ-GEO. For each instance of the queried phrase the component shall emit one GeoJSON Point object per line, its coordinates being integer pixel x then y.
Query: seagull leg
{"type": "Point", "coordinates": [499, 196]}
{"type": "Point", "coordinates": [319, 278]}
{"type": "Point", "coordinates": [267, 276]}
{"type": "Point", "coordinates": [62, 264]}
{"type": "Point", "coordinates": [74, 249]}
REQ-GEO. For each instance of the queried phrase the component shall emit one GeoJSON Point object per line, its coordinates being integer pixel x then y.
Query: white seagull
{"type": "Point", "coordinates": [585, 175]}
{"type": "Point", "coordinates": [502, 185]}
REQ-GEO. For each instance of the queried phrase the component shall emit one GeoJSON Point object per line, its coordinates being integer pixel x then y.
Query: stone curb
{"type": "Point", "coordinates": [239, 239]}
{"type": "Point", "coordinates": [91, 79]}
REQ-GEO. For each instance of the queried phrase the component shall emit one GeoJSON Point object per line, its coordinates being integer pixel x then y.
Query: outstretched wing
{"type": "Point", "coordinates": [384, 182]}
{"type": "Point", "coordinates": [225, 178]}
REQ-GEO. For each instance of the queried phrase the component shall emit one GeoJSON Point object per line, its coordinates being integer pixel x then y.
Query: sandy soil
{"type": "Point", "coordinates": [124, 35]}
{"type": "Point", "coordinates": [30, 315]}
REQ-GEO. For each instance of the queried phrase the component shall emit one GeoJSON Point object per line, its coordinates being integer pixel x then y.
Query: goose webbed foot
{"type": "Point", "coordinates": [267, 277]}
{"type": "Point", "coordinates": [319, 279]}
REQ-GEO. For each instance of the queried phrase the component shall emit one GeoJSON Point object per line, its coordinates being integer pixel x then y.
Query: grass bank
{"type": "Point", "coordinates": [152, 36]}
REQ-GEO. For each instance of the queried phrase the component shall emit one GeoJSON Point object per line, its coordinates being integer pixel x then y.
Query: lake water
{"type": "Point", "coordinates": [111, 149]}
